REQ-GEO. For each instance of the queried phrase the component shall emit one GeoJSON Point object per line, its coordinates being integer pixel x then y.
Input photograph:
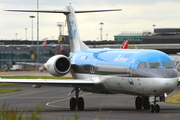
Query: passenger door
{"type": "Point", "coordinates": [93, 66]}
{"type": "Point", "coordinates": [129, 73]}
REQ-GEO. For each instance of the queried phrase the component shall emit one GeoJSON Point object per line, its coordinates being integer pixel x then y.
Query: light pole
{"type": "Point", "coordinates": [101, 30]}
{"type": "Point", "coordinates": [153, 26]}
{"type": "Point", "coordinates": [37, 33]}
{"type": "Point", "coordinates": [61, 31]}
{"type": "Point", "coordinates": [32, 26]}
{"type": "Point", "coordinates": [16, 35]}
{"type": "Point", "coordinates": [106, 36]}
{"type": "Point", "coordinates": [25, 33]}
{"type": "Point", "coordinates": [61, 27]}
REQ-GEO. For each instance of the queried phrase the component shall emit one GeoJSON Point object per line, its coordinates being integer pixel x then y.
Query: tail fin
{"type": "Point", "coordinates": [44, 43]}
{"type": "Point", "coordinates": [125, 44]}
{"type": "Point", "coordinates": [75, 43]}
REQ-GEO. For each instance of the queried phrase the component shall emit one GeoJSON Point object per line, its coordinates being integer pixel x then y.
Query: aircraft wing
{"type": "Point", "coordinates": [29, 63]}
{"type": "Point", "coordinates": [52, 82]}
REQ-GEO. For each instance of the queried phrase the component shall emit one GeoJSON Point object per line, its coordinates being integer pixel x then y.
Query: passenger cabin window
{"type": "Point", "coordinates": [167, 65]}
{"type": "Point", "coordinates": [154, 64]}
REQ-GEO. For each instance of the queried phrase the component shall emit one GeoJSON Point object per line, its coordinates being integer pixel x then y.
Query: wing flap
{"type": "Point", "coordinates": [51, 82]}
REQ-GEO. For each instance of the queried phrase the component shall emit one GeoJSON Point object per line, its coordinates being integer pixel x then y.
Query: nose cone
{"type": "Point", "coordinates": [164, 85]}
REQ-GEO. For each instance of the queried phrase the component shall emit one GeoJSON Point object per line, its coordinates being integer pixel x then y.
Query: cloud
{"type": "Point", "coordinates": [135, 16]}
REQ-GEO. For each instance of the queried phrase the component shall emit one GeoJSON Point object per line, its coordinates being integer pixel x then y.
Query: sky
{"type": "Point", "coordinates": [136, 15]}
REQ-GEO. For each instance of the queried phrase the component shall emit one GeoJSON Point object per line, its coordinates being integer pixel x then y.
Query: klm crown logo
{"type": "Point", "coordinates": [72, 31]}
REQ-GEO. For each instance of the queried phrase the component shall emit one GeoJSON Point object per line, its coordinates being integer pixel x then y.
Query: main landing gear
{"type": "Point", "coordinates": [144, 102]}
{"type": "Point", "coordinates": [77, 102]}
{"type": "Point", "coordinates": [154, 107]}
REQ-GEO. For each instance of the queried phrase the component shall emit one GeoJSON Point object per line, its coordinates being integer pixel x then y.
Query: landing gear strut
{"type": "Point", "coordinates": [154, 107]}
{"type": "Point", "coordinates": [77, 102]}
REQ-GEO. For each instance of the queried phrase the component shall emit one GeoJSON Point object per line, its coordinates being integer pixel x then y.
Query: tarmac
{"type": "Point", "coordinates": [55, 103]}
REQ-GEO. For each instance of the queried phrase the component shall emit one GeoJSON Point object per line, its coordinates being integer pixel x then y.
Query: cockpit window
{"type": "Point", "coordinates": [144, 65]}
{"type": "Point", "coordinates": [154, 64]}
{"type": "Point", "coordinates": [167, 64]}
{"type": "Point", "coordinates": [139, 65]}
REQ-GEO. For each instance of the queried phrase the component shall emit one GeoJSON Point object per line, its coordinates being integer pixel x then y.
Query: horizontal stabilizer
{"type": "Point", "coordinates": [61, 11]}
{"type": "Point", "coordinates": [43, 11]}
{"type": "Point", "coordinates": [102, 10]}
{"type": "Point", "coordinates": [52, 82]}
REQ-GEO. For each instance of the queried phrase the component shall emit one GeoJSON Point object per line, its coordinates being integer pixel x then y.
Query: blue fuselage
{"type": "Point", "coordinates": [125, 70]}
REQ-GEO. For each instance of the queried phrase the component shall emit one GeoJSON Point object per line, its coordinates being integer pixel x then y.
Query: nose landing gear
{"type": "Point", "coordinates": [155, 108]}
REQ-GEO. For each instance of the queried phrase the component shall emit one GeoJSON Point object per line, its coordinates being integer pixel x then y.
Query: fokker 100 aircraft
{"type": "Point", "coordinates": [147, 74]}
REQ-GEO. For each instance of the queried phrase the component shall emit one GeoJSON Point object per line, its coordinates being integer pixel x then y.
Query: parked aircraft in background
{"type": "Point", "coordinates": [44, 43]}
{"type": "Point", "coordinates": [125, 44]}
{"type": "Point", "coordinates": [147, 74]}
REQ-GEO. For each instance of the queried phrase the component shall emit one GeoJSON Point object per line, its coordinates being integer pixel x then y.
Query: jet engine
{"type": "Point", "coordinates": [58, 65]}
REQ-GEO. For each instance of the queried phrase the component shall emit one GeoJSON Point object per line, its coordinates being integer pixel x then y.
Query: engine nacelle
{"type": "Point", "coordinates": [58, 65]}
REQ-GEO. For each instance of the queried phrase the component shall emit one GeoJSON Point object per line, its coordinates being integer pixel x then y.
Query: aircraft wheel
{"type": "Point", "coordinates": [151, 108]}
{"type": "Point", "coordinates": [72, 103]}
{"type": "Point", "coordinates": [146, 104]}
{"type": "Point", "coordinates": [157, 109]}
{"type": "Point", "coordinates": [138, 103]}
{"type": "Point", "coordinates": [80, 103]}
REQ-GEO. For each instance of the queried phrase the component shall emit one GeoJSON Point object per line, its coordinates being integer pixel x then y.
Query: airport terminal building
{"type": "Point", "coordinates": [160, 35]}
{"type": "Point", "coordinates": [131, 36]}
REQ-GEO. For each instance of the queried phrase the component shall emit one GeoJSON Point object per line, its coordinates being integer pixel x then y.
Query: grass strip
{"type": "Point", "coordinates": [174, 99]}
{"type": "Point", "coordinates": [9, 90]}
{"type": "Point", "coordinates": [7, 84]}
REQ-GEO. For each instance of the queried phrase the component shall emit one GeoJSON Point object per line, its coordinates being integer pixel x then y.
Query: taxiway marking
{"type": "Point", "coordinates": [49, 103]}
